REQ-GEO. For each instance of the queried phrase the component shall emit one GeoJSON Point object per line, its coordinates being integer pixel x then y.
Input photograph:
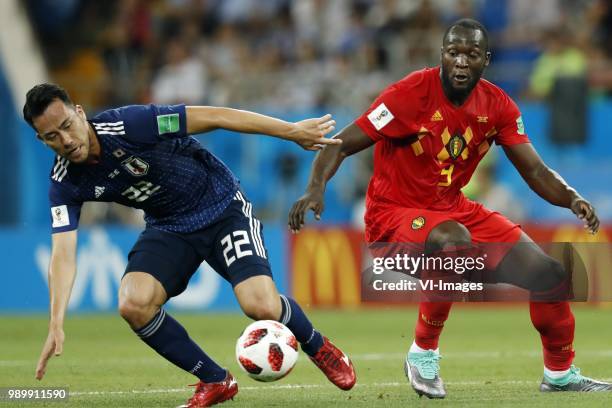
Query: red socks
{"type": "Point", "coordinates": [430, 323]}
{"type": "Point", "coordinates": [555, 322]}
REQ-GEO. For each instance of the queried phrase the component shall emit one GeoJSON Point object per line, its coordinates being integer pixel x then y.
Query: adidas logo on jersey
{"type": "Point", "coordinates": [98, 191]}
{"type": "Point", "coordinates": [437, 116]}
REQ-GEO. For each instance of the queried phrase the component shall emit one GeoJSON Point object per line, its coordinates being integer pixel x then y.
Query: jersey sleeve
{"type": "Point", "coordinates": [154, 122]}
{"type": "Point", "coordinates": [393, 114]}
{"type": "Point", "coordinates": [511, 130]}
{"type": "Point", "coordinates": [65, 209]}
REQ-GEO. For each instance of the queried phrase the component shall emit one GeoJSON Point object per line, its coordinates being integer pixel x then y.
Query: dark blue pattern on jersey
{"type": "Point", "coordinates": [146, 162]}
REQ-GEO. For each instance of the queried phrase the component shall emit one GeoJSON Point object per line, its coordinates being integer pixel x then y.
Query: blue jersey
{"type": "Point", "coordinates": [147, 161]}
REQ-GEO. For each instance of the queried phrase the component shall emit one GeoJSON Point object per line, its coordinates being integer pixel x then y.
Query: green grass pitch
{"type": "Point", "coordinates": [491, 357]}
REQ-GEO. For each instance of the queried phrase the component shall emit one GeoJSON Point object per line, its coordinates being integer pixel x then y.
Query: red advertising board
{"type": "Point", "coordinates": [325, 264]}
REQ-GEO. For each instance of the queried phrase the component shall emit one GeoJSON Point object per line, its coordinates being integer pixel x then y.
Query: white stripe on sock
{"type": "Point", "coordinates": [152, 327]}
{"type": "Point", "coordinates": [287, 316]}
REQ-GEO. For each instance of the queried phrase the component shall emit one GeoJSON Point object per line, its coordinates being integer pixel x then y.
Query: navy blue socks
{"type": "Point", "coordinates": [166, 336]}
{"type": "Point", "coordinates": [294, 318]}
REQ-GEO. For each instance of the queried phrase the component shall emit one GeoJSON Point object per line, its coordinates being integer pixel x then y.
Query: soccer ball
{"type": "Point", "coordinates": [267, 350]}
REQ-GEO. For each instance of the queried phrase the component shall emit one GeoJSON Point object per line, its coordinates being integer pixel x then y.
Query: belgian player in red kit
{"type": "Point", "coordinates": [430, 130]}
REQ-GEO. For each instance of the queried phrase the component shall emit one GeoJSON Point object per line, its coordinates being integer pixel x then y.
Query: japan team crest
{"type": "Point", "coordinates": [136, 166]}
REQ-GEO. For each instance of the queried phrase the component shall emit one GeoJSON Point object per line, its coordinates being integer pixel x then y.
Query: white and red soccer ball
{"type": "Point", "coordinates": [267, 350]}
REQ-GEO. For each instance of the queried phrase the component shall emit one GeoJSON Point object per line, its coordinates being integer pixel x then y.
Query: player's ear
{"type": "Point", "coordinates": [487, 58]}
{"type": "Point", "coordinates": [80, 111]}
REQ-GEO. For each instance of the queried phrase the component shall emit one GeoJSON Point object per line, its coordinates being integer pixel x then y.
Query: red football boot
{"type": "Point", "coordinates": [335, 365]}
{"type": "Point", "coordinates": [208, 394]}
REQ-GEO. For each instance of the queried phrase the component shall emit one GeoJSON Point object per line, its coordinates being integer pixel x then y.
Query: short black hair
{"type": "Point", "coordinates": [40, 97]}
{"type": "Point", "coordinates": [471, 24]}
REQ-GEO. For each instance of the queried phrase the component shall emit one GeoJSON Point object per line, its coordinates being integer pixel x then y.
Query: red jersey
{"type": "Point", "coordinates": [427, 148]}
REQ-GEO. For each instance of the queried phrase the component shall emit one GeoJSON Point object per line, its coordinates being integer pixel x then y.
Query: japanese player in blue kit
{"type": "Point", "coordinates": [142, 156]}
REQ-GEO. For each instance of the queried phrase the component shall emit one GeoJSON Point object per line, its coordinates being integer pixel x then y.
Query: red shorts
{"type": "Point", "coordinates": [395, 224]}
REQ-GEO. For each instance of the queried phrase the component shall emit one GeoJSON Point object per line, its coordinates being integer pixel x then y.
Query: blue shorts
{"type": "Point", "coordinates": [233, 246]}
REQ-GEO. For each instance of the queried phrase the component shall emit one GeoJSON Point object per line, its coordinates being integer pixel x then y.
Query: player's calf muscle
{"type": "Point", "coordinates": [259, 298]}
{"type": "Point", "coordinates": [261, 307]}
{"type": "Point", "coordinates": [262, 311]}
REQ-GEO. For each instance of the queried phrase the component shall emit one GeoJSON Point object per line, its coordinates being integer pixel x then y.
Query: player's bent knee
{"type": "Point", "coordinates": [268, 309]}
{"type": "Point", "coordinates": [259, 298]}
{"type": "Point", "coordinates": [552, 274]}
{"type": "Point", "coordinates": [137, 312]}
{"type": "Point", "coordinates": [558, 270]}
{"type": "Point", "coordinates": [140, 297]}
{"type": "Point", "coordinates": [446, 234]}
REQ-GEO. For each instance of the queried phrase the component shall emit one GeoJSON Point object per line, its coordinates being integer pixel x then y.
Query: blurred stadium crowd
{"type": "Point", "coordinates": [301, 54]}
{"type": "Point", "coordinates": [303, 57]}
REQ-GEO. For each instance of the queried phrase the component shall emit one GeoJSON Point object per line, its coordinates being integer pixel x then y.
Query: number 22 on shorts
{"type": "Point", "coordinates": [240, 238]}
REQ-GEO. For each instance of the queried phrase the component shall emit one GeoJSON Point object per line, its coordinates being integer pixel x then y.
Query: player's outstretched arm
{"type": "Point", "coordinates": [309, 133]}
{"type": "Point", "coordinates": [324, 167]}
{"type": "Point", "coordinates": [549, 185]}
{"type": "Point", "coordinates": [62, 271]}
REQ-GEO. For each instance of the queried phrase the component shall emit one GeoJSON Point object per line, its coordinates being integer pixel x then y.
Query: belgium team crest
{"type": "Point", "coordinates": [455, 146]}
